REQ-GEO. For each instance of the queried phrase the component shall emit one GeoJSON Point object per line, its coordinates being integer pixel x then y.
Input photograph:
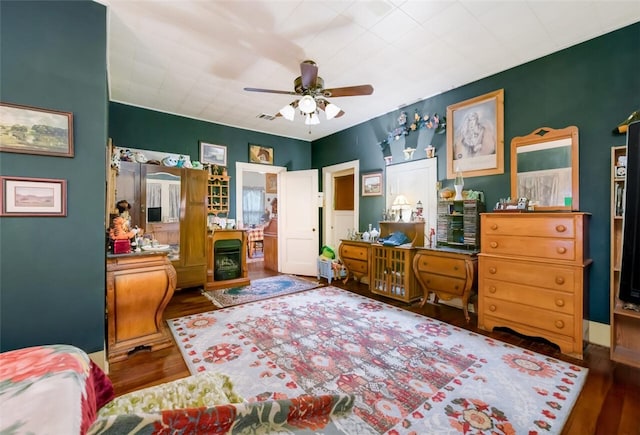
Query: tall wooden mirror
{"type": "Point", "coordinates": [544, 168]}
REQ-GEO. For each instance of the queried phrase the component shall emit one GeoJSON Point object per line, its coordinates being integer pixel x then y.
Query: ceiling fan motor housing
{"type": "Point", "coordinates": [299, 88]}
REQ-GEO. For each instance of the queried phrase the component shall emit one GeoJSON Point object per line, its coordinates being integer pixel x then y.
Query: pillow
{"type": "Point", "coordinates": [205, 389]}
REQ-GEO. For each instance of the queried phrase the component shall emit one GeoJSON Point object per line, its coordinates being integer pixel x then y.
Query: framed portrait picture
{"type": "Point", "coordinates": [30, 130]}
{"type": "Point", "coordinates": [475, 136]}
{"type": "Point", "coordinates": [372, 184]}
{"type": "Point", "coordinates": [213, 154]}
{"type": "Point", "coordinates": [260, 154]}
{"type": "Point", "coordinates": [22, 196]}
{"type": "Point", "coordinates": [271, 181]}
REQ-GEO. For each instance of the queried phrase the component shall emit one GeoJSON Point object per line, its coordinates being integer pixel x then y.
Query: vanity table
{"type": "Point", "coordinates": [139, 287]}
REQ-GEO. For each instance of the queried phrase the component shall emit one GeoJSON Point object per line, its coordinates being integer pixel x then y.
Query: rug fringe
{"type": "Point", "coordinates": [213, 301]}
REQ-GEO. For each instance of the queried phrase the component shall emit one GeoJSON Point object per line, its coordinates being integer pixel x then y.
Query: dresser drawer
{"type": "Point", "coordinates": [355, 252]}
{"type": "Point", "coordinates": [442, 265]}
{"type": "Point", "coordinates": [532, 317]}
{"type": "Point", "coordinates": [548, 249]}
{"type": "Point", "coordinates": [536, 226]}
{"type": "Point", "coordinates": [356, 266]}
{"type": "Point", "coordinates": [525, 294]}
{"type": "Point", "coordinates": [555, 277]}
{"type": "Point", "coordinates": [442, 283]}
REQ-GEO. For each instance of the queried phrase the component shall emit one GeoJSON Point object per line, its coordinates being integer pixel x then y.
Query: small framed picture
{"type": "Point", "coordinates": [372, 184]}
{"type": "Point", "coordinates": [213, 154]}
{"type": "Point", "coordinates": [30, 130]}
{"type": "Point", "coordinates": [260, 154]}
{"type": "Point", "coordinates": [271, 181]}
{"type": "Point", "coordinates": [22, 196]}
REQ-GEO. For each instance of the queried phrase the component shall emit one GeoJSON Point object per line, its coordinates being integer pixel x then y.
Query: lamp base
{"type": "Point", "coordinates": [458, 188]}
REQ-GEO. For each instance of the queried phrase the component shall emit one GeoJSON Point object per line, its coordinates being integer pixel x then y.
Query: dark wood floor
{"type": "Point", "coordinates": [609, 403]}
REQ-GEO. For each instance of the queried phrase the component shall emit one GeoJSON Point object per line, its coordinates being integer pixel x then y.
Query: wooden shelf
{"type": "Point", "coordinates": [218, 194]}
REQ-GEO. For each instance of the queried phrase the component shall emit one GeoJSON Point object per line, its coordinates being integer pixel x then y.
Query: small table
{"type": "Point", "coordinates": [255, 237]}
{"type": "Point", "coordinates": [449, 273]}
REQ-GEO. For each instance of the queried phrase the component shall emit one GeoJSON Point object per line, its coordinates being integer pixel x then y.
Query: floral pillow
{"type": "Point", "coordinates": [205, 389]}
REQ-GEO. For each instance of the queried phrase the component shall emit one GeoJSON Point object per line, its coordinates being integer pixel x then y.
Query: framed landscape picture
{"type": "Point", "coordinates": [260, 154]}
{"type": "Point", "coordinates": [30, 130]}
{"type": "Point", "coordinates": [22, 196]}
{"type": "Point", "coordinates": [372, 184]}
{"type": "Point", "coordinates": [213, 154]}
{"type": "Point", "coordinates": [475, 137]}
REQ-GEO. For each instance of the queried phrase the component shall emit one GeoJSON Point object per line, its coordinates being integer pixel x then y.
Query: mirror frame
{"type": "Point", "coordinates": [541, 139]}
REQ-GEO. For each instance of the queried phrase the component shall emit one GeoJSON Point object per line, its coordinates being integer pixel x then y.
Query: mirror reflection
{"type": "Point", "coordinates": [163, 210]}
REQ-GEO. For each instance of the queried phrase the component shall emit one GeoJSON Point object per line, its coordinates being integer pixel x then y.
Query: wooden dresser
{"type": "Point", "coordinates": [355, 256]}
{"type": "Point", "coordinates": [270, 245]}
{"type": "Point", "coordinates": [533, 275]}
{"type": "Point", "coordinates": [448, 273]}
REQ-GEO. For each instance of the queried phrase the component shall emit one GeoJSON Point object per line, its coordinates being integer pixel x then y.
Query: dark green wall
{"type": "Point", "coordinates": [147, 129]}
{"type": "Point", "coordinates": [594, 85]}
{"type": "Point", "coordinates": [53, 55]}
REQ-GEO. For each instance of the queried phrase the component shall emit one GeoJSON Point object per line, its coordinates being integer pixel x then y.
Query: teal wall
{"type": "Point", "coordinates": [133, 127]}
{"type": "Point", "coordinates": [594, 85]}
{"type": "Point", "coordinates": [53, 55]}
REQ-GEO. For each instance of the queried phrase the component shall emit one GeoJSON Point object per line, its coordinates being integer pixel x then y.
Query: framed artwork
{"type": "Point", "coordinates": [260, 154]}
{"type": "Point", "coordinates": [372, 184]}
{"type": "Point", "coordinates": [271, 183]}
{"type": "Point", "coordinates": [22, 196]}
{"type": "Point", "coordinates": [213, 154]}
{"type": "Point", "coordinates": [30, 130]}
{"type": "Point", "coordinates": [475, 136]}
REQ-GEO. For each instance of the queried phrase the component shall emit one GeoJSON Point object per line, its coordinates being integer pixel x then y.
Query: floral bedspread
{"type": "Point", "coordinates": [52, 389]}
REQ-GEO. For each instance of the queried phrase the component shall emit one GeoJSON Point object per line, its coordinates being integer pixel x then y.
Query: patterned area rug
{"type": "Point", "coordinates": [410, 374]}
{"type": "Point", "coordinates": [259, 289]}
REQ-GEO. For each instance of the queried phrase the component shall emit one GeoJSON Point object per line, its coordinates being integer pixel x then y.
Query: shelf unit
{"type": "Point", "coordinates": [458, 224]}
{"type": "Point", "coordinates": [625, 324]}
{"type": "Point", "coordinates": [218, 194]}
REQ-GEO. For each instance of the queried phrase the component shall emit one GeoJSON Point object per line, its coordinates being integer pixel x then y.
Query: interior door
{"type": "Point", "coordinates": [298, 222]}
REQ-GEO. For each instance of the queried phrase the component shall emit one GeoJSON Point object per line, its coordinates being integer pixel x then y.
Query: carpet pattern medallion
{"type": "Point", "coordinates": [259, 289]}
{"type": "Point", "coordinates": [410, 374]}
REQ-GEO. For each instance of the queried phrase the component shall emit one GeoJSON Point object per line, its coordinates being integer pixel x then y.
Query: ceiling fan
{"type": "Point", "coordinates": [313, 95]}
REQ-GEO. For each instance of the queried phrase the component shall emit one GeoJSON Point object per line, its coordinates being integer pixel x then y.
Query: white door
{"type": "Point", "coordinates": [298, 247]}
{"type": "Point", "coordinates": [337, 223]}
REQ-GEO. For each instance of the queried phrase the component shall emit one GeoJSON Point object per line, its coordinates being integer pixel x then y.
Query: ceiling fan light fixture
{"type": "Point", "coordinates": [307, 104]}
{"type": "Point", "coordinates": [331, 110]}
{"type": "Point", "coordinates": [288, 112]}
{"type": "Point", "coordinates": [311, 119]}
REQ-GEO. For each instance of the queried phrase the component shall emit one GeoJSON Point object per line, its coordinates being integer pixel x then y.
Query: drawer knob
{"type": "Point", "coordinates": [428, 281]}
{"type": "Point", "coordinates": [559, 280]}
{"type": "Point", "coordinates": [456, 287]}
{"type": "Point", "coordinates": [494, 244]}
{"type": "Point", "coordinates": [560, 302]}
{"type": "Point", "coordinates": [562, 250]}
{"type": "Point", "coordinates": [492, 270]}
{"type": "Point", "coordinates": [559, 324]}
{"type": "Point", "coordinates": [561, 228]}
{"type": "Point", "coordinates": [494, 227]}
{"type": "Point", "coordinates": [455, 267]}
{"type": "Point", "coordinates": [492, 289]}
{"type": "Point", "coordinates": [492, 308]}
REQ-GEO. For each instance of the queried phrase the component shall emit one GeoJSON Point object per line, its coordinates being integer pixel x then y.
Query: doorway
{"type": "Point", "coordinates": [338, 220]}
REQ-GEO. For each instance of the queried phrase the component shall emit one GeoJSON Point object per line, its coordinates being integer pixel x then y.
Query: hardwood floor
{"type": "Point", "coordinates": [609, 403]}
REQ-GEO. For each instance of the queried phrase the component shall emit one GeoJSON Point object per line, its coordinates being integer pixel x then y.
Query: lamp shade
{"type": "Point", "coordinates": [400, 202]}
{"type": "Point", "coordinates": [307, 104]}
{"type": "Point", "coordinates": [288, 112]}
{"type": "Point", "coordinates": [312, 119]}
{"type": "Point", "coordinates": [331, 111]}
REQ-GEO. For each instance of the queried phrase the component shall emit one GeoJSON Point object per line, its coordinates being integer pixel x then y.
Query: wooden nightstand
{"type": "Point", "coordinates": [355, 257]}
{"type": "Point", "coordinates": [448, 273]}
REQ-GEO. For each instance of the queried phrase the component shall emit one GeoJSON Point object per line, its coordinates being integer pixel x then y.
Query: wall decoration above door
{"type": "Point", "coordinates": [260, 154]}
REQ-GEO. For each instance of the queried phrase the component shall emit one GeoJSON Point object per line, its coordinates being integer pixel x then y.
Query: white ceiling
{"type": "Point", "coordinates": [194, 57]}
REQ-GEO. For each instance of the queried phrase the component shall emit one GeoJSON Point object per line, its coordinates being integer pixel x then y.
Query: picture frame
{"type": "Point", "coordinates": [213, 154]}
{"type": "Point", "coordinates": [372, 184]}
{"type": "Point", "coordinates": [33, 130]}
{"type": "Point", "coordinates": [271, 183]}
{"type": "Point", "coordinates": [475, 136]}
{"type": "Point", "coordinates": [24, 196]}
{"type": "Point", "coordinates": [260, 154]}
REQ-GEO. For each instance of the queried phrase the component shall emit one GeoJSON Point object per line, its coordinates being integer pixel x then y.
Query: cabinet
{"type": "Point", "coordinates": [270, 245]}
{"type": "Point", "coordinates": [447, 273]}
{"type": "Point", "coordinates": [355, 257]}
{"type": "Point", "coordinates": [218, 194]}
{"type": "Point", "coordinates": [392, 266]}
{"type": "Point", "coordinates": [625, 324]}
{"type": "Point", "coordinates": [171, 203]}
{"type": "Point", "coordinates": [458, 224]}
{"type": "Point", "coordinates": [227, 260]}
{"type": "Point", "coordinates": [533, 275]}
{"type": "Point", "coordinates": [139, 287]}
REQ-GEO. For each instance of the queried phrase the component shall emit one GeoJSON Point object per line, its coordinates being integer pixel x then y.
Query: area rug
{"type": "Point", "coordinates": [259, 289]}
{"type": "Point", "coordinates": [410, 374]}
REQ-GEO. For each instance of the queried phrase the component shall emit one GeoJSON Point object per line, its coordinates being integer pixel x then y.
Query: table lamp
{"type": "Point", "coordinates": [399, 204]}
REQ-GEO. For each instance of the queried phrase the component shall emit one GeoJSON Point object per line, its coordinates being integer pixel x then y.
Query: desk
{"type": "Point", "coordinates": [255, 236]}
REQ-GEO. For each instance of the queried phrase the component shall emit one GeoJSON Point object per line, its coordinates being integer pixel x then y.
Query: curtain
{"type": "Point", "coordinates": [174, 202]}
{"type": "Point", "coordinates": [154, 192]}
{"type": "Point", "coordinates": [252, 205]}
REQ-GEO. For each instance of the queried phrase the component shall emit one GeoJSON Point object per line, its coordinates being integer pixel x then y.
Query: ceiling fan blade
{"type": "Point", "coordinates": [270, 91]}
{"type": "Point", "coordinates": [309, 74]}
{"type": "Point", "coordinates": [349, 91]}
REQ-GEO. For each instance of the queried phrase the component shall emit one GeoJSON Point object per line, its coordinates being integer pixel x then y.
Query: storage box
{"type": "Point", "coordinates": [326, 271]}
{"type": "Point", "coordinates": [121, 246]}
